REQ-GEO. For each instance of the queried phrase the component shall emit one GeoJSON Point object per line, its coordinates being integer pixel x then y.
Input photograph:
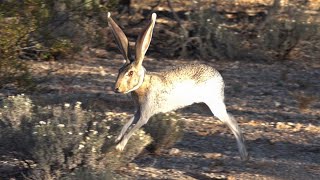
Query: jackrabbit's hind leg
{"type": "Point", "coordinates": [219, 110]}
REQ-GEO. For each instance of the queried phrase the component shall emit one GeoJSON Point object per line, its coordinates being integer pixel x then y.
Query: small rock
{"type": "Point", "coordinates": [291, 124]}
{"type": "Point", "coordinates": [132, 166]}
{"type": "Point", "coordinates": [277, 104]}
{"type": "Point", "coordinates": [174, 151]}
{"type": "Point", "coordinates": [212, 155]}
{"type": "Point", "coordinates": [231, 177]}
{"type": "Point", "coordinates": [297, 127]}
{"type": "Point", "coordinates": [103, 72]}
{"type": "Point", "coordinates": [281, 125]}
{"type": "Point", "coordinates": [215, 176]}
{"type": "Point", "coordinates": [154, 175]}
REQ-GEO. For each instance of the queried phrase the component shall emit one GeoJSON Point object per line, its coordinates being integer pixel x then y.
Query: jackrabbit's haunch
{"type": "Point", "coordinates": [155, 92]}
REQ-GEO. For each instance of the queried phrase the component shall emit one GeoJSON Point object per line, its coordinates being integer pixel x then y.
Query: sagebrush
{"type": "Point", "coordinates": [64, 140]}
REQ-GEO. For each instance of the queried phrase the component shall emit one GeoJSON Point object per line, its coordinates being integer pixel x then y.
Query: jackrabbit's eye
{"type": "Point", "coordinates": [130, 73]}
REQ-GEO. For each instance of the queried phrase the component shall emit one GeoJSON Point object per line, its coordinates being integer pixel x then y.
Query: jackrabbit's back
{"type": "Point", "coordinates": [199, 73]}
{"type": "Point", "coordinates": [186, 85]}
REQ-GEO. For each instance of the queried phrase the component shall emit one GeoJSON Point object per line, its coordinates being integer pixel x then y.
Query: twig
{"type": "Point", "coordinates": [176, 17]}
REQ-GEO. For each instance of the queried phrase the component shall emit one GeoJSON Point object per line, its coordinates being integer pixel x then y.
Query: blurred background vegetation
{"type": "Point", "coordinates": [45, 30]}
{"type": "Point", "coordinates": [264, 30]}
{"type": "Point", "coordinates": [59, 30]}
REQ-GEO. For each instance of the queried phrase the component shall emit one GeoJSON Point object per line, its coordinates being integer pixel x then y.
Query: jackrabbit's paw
{"type": "Point", "coordinates": [120, 146]}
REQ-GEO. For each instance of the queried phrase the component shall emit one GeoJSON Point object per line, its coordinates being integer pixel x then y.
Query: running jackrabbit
{"type": "Point", "coordinates": [155, 92]}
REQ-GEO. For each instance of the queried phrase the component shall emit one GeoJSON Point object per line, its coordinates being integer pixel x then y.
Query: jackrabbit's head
{"type": "Point", "coordinates": [131, 74]}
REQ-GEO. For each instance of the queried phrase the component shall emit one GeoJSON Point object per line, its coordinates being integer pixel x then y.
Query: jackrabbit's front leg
{"type": "Point", "coordinates": [134, 126]}
{"type": "Point", "coordinates": [133, 120]}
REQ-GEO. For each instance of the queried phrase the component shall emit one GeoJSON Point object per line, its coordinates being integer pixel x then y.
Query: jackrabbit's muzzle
{"type": "Point", "coordinates": [116, 90]}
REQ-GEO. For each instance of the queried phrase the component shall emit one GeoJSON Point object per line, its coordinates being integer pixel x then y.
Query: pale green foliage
{"type": "Point", "coordinates": [15, 119]}
{"type": "Point", "coordinates": [14, 110]}
{"type": "Point", "coordinates": [63, 139]}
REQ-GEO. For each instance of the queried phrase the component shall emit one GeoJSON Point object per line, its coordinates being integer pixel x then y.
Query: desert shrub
{"type": "Point", "coordinates": [55, 28]}
{"type": "Point", "coordinates": [12, 37]}
{"type": "Point", "coordinates": [283, 34]}
{"type": "Point", "coordinates": [165, 129]}
{"type": "Point", "coordinates": [15, 120]}
{"type": "Point", "coordinates": [46, 30]}
{"type": "Point", "coordinates": [64, 140]}
{"type": "Point", "coordinates": [269, 31]}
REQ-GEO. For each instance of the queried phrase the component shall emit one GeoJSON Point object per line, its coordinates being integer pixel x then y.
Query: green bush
{"type": "Point", "coordinates": [46, 30]}
{"type": "Point", "coordinates": [65, 140]}
{"type": "Point", "coordinates": [165, 129]}
{"type": "Point", "coordinates": [12, 69]}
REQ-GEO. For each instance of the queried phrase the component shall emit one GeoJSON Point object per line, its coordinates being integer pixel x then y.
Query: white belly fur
{"type": "Point", "coordinates": [183, 94]}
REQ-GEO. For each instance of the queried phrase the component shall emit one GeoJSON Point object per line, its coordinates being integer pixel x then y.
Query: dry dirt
{"type": "Point", "coordinates": [276, 104]}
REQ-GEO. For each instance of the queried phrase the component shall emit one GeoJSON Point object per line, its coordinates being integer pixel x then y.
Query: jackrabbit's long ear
{"type": "Point", "coordinates": [121, 39]}
{"type": "Point", "coordinates": [144, 40]}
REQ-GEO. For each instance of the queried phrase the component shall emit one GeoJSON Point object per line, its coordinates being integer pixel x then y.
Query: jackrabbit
{"type": "Point", "coordinates": [155, 92]}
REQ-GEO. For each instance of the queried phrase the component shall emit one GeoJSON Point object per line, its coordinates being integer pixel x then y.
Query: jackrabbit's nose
{"type": "Point", "coordinates": [116, 90]}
